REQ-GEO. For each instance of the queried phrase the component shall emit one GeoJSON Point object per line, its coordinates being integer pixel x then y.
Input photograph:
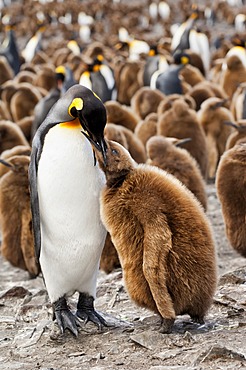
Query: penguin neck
{"type": "Point", "coordinates": [116, 180]}
{"type": "Point", "coordinates": [71, 124]}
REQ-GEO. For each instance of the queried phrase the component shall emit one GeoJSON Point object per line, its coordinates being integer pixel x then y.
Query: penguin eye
{"type": "Point", "coordinates": [73, 112]}
{"type": "Point", "coordinates": [115, 152]}
{"type": "Point", "coordinates": [77, 104]}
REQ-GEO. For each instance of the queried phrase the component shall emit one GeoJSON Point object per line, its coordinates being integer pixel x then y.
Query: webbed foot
{"type": "Point", "coordinates": [65, 318]}
{"type": "Point", "coordinates": [166, 326]}
{"type": "Point", "coordinates": [86, 311]}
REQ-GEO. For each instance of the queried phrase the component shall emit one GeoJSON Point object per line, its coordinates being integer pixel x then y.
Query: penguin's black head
{"type": "Point", "coordinates": [91, 112]}
{"type": "Point", "coordinates": [60, 73]}
{"type": "Point", "coordinates": [153, 50]}
{"type": "Point", "coordinates": [82, 104]}
{"type": "Point", "coordinates": [181, 57]}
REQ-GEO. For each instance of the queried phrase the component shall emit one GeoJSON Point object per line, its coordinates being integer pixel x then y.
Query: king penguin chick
{"type": "Point", "coordinates": [65, 184]}
{"type": "Point", "coordinates": [181, 122]}
{"type": "Point", "coordinates": [146, 101]}
{"type": "Point", "coordinates": [162, 236]}
{"type": "Point", "coordinates": [239, 134]}
{"type": "Point", "coordinates": [10, 135]}
{"type": "Point", "coordinates": [17, 150]}
{"type": "Point", "coordinates": [212, 116]}
{"type": "Point", "coordinates": [128, 139]}
{"type": "Point", "coordinates": [147, 128]}
{"type": "Point", "coordinates": [233, 75]}
{"type": "Point", "coordinates": [166, 153]}
{"type": "Point", "coordinates": [15, 215]}
{"type": "Point", "coordinates": [238, 103]}
{"type": "Point", "coordinates": [230, 185]}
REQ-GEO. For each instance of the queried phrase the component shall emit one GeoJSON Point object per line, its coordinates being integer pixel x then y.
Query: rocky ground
{"type": "Point", "coordinates": [29, 339]}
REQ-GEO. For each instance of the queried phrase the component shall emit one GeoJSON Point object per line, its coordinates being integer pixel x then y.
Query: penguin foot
{"type": "Point", "coordinates": [198, 319]}
{"type": "Point", "coordinates": [86, 311]}
{"type": "Point", "coordinates": [166, 326]}
{"type": "Point", "coordinates": [64, 317]}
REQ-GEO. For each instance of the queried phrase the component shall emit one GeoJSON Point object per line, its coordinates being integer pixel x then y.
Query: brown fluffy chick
{"type": "Point", "coordinates": [147, 128]}
{"type": "Point", "coordinates": [24, 100]}
{"type": "Point", "coordinates": [127, 83]}
{"type": "Point", "coordinates": [121, 115]}
{"type": "Point", "coordinates": [238, 103]}
{"type": "Point", "coordinates": [212, 117]}
{"type": "Point", "coordinates": [4, 113]}
{"type": "Point", "coordinates": [15, 216]}
{"type": "Point", "coordinates": [167, 102]}
{"type": "Point", "coordinates": [25, 125]}
{"type": "Point", "coordinates": [206, 90]}
{"type": "Point", "coordinates": [234, 74]}
{"type": "Point", "coordinates": [16, 150]}
{"type": "Point", "coordinates": [166, 153]}
{"type": "Point", "coordinates": [146, 101]}
{"type": "Point", "coordinates": [230, 184]}
{"type": "Point", "coordinates": [239, 134]}
{"type": "Point", "coordinates": [192, 75]}
{"type": "Point", "coordinates": [128, 139]}
{"type": "Point", "coordinates": [162, 236]}
{"type": "Point", "coordinates": [109, 258]}
{"type": "Point", "coordinates": [6, 72]}
{"type": "Point", "coordinates": [181, 122]}
{"type": "Point", "coordinates": [10, 135]}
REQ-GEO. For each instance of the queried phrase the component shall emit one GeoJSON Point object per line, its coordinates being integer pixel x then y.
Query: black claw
{"type": "Point", "coordinates": [86, 311]}
{"type": "Point", "coordinates": [64, 317]}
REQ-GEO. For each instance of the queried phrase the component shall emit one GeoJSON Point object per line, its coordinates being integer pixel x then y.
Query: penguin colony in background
{"type": "Point", "coordinates": [141, 103]}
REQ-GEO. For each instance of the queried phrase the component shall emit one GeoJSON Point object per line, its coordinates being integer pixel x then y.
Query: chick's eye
{"type": "Point", "coordinates": [114, 151]}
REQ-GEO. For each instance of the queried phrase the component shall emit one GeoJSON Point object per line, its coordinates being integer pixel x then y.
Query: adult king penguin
{"type": "Point", "coordinates": [65, 183]}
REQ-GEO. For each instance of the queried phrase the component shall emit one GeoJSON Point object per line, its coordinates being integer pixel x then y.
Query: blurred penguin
{"type": "Point", "coordinates": [187, 37]}
{"type": "Point", "coordinates": [181, 122]}
{"type": "Point", "coordinates": [212, 116]}
{"type": "Point", "coordinates": [99, 77]}
{"type": "Point", "coordinates": [33, 45]}
{"type": "Point", "coordinates": [154, 65]}
{"type": "Point", "coordinates": [170, 82]}
{"type": "Point", "coordinates": [167, 153]}
{"type": "Point", "coordinates": [230, 185]}
{"type": "Point", "coordinates": [238, 134]}
{"type": "Point", "coordinates": [9, 49]}
{"type": "Point", "coordinates": [64, 80]}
